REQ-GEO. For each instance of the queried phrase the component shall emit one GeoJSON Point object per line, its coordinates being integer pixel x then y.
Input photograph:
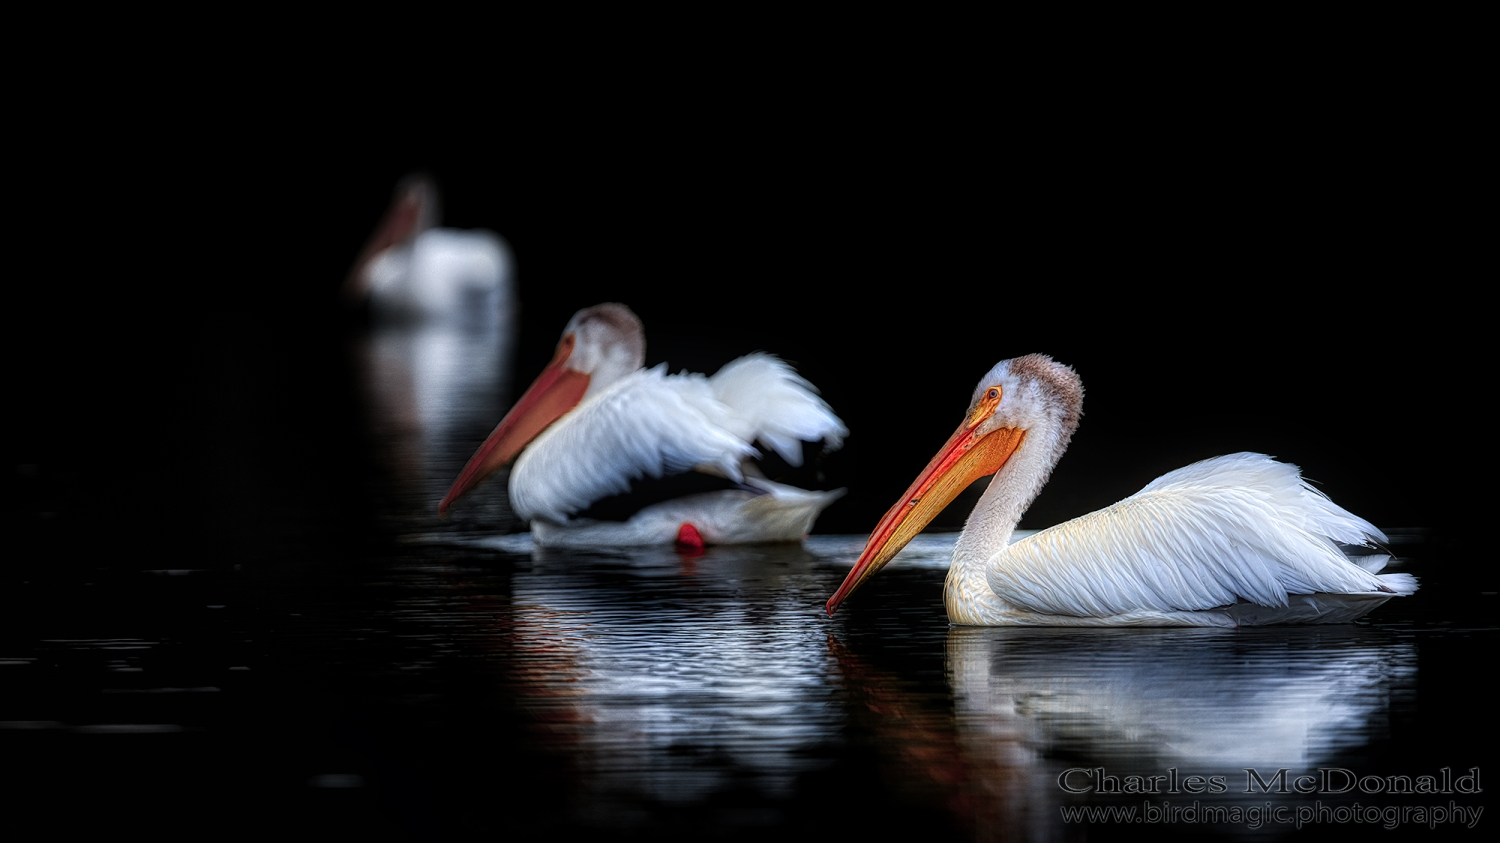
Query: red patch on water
{"type": "Point", "coordinates": [689, 540]}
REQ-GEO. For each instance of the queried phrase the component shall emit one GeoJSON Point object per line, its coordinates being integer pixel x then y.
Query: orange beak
{"type": "Point", "coordinates": [967, 456]}
{"type": "Point", "coordinates": [555, 391]}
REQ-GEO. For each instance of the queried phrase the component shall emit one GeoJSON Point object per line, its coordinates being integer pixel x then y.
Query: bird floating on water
{"type": "Point", "coordinates": [412, 271]}
{"type": "Point", "coordinates": [595, 421]}
{"type": "Point", "coordinates": [1236, 540]}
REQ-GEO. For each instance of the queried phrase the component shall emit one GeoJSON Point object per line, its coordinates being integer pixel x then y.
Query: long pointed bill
{"type": "Point", "coordinates": [967, 456]}
{"type": "Point", "coordinates": [555, 391]}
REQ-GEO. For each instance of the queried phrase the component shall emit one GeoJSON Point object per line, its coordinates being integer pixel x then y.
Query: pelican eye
{"type": "Point", "coordinates": [992, 394]}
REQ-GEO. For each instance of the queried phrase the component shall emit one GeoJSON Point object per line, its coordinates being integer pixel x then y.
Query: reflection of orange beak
{"type": "Point", "coordinates": [967, 456]}
{"type": "Point", "coordinates": [555, 391]}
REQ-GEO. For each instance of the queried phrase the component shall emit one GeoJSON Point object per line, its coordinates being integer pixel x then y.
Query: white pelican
{"type": "Point", "coordinates": [1237, 540]}
{"type": "Point", "coordinates": [595, 420]}
{"type": "Point", "coordinates": [412, 271]}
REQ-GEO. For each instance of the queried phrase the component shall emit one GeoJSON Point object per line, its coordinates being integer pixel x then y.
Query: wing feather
{"type": "Point", "coordinates": [1242, 527]}
{"type": "Point", "coordinates": [772, 404]}
{"type": "Point", "coordinates": [647, 424]}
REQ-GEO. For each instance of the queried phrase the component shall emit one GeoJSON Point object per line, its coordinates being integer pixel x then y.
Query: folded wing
{"type": "Point", "coordinates": [1241, 527]}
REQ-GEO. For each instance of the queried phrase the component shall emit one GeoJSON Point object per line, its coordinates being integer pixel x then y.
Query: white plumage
{"type": "Point", "coordinates": [441, 273]}
{"type": "Point", "coordinates": [595, 421]}
{"type": "Point", "coordinates": [646, 425]}
{"type": "Point", "coordinates": [1237, 528]}
{"type": "Point", "coordinates": [1234, 540]}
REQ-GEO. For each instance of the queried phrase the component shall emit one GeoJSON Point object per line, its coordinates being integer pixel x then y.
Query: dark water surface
{"type": "Point", "coordinates": [356, 669]}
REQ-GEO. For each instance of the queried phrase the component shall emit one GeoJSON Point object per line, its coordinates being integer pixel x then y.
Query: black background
{"type": "Point", "coordinates": [1239, 272]}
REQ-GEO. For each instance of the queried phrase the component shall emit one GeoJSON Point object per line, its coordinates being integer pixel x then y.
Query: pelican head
{"type": "Point", "coordinates": [1030, 393]}
{"type": "Point", "coordinates": [600, 345]}
{"type": "Point", "coordinates": [413, 210]}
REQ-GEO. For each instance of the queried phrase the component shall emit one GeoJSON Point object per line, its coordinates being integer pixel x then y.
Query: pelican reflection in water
{"type": "Point", "coordinates": [665, 680]}
{"type": "Point", "coordinates": [1040, 719]}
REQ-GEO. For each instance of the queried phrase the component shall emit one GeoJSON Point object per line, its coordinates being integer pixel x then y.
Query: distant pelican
{"type": "Point", "coordinates": [412, 271]}
{"type": "Point", "coordinates": [594, 421]}
{"type": "Point", "coordinates": [1237, 540]}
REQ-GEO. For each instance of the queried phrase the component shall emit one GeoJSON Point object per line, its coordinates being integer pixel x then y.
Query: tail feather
{"type": "Point", "coordinates": [1374, 563]}
{"type": "Point", "coordinates": [1403, 584]}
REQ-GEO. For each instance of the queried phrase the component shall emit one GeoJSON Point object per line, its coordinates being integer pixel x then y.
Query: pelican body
{"type": "Point", "coordinates": [595, 421]}
{"type": "Point", "coordinates": [1236, 540]}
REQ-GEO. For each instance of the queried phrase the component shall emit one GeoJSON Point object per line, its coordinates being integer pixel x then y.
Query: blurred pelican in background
{"type": "Point", "coordinates": [412, 271]}
{"type": "Point", "coordinates": [437, 357]}
{"type": "Point", "coordinates": [596, 431]}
